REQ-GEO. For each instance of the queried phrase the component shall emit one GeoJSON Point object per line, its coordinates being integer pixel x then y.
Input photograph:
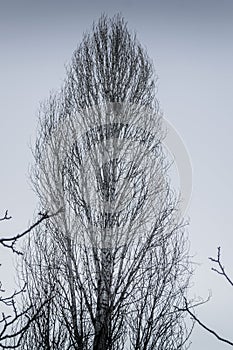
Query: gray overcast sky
{"type": "Point", "coordinates": [191, 45]}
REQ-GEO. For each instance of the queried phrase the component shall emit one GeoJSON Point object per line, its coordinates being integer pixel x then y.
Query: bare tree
{"type": "Point", "coordinates": [114, 261]}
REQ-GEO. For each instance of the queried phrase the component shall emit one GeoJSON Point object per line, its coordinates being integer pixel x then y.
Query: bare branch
{"type": "Point", "coordinates": [9, 242]}
{"type": "Point", "coordinates": [14, 317]}
{"type": "Point", "coordinates": [5, 217]}
{"type": "Point", "coordinates": [221, 269]}
{"type": "Point", "coordinates": [194, 317]}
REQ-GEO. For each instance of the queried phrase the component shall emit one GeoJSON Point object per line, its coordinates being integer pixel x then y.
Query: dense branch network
{"type": "Point", "coordinates": [113, 263]}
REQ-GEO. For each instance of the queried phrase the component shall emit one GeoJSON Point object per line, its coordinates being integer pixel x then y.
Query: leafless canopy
{"type": "Point", "coordinates": [114, 261]}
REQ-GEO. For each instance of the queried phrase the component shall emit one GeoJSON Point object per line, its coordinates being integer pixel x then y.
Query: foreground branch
{"type": "Point", "coordinates": [10, 241]}
{"type": "Point", "coordinates": [221, 269]}
{"type": "Point", "coordinates": [7, 321]}
{"type": "Point", "coordinates": [195, 318]}
{"type": "Point", "coordinates": [5, 217]}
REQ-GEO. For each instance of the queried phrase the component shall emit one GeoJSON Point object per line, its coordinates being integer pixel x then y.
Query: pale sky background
{"type": "Point", "coordinates": [191, 44]}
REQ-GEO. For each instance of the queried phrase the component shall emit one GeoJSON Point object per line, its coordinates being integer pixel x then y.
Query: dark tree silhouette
{"type": "Point", "coordinates": [114, 261]}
